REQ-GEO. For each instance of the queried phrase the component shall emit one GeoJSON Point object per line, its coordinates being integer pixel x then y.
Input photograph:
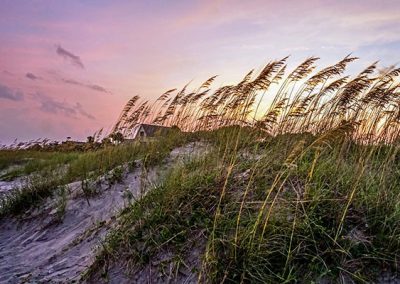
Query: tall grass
{"type": "Point", "coordinates": [289, 208]}
{"type": "Point", "coordinates": [305, 101]}
{"type": "Point", "coordinates": [306, 189]}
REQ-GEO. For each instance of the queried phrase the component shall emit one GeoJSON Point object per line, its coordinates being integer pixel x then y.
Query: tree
{"type": "Point", "coordinates": [117, 137]}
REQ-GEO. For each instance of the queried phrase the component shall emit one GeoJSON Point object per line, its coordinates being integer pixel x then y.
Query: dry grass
{"type": "Point", "coordinates": [306, 101]}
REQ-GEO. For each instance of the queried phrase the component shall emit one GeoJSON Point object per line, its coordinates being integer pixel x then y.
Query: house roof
{"type": "Point", "coordinates": [150, 129]}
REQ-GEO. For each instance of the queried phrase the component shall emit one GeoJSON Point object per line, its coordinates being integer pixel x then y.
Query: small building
{"type": "Point", "coordinates": [147, 130]}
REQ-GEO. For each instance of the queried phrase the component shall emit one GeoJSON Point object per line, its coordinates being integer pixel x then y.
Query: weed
{"type": "Point", "coordinates": [88, 187]}
{"type": "Point", "coordinates": [61, 202]}
{"type": "Point", "coordinates": [38, 188]}
{"type": "Point", "coordinates": [115, 176]}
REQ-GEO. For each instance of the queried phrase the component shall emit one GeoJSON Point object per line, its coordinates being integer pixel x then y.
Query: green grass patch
{"type": "Point", "coordinates": [324, 213]}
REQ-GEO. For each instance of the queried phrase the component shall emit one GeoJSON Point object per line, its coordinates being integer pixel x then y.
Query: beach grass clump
{"type": "Point", "coordinates": [61, 197]}
{"type": "Point", "coordinates": [323, 213]}
{"type": "Point", "coordinates": [37, 189]}
{"type": "Point", "coordinates": [166, 218]}
{"type": "Point", "coordinates": [323, 218]}
{"type": "Point", "coordinates": [308, 187]}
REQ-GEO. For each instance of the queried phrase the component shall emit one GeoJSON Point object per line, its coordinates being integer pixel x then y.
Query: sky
{"type": "Point", "coordinates": [68, 67]}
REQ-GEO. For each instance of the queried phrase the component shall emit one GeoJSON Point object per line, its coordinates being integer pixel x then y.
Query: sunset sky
{"type": "Point", "coordinates": [68, 67]}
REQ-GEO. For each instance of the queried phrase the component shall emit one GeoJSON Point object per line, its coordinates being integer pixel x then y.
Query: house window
{"type": "Point", "coordinates": [141, 133]}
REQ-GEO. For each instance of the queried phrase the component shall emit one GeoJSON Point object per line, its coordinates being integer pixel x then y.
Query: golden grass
{"type": "Point", "coordinates": [305, 101]}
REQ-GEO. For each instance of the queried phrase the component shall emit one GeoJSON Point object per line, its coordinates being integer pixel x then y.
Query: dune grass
{"type": "Point", "coordinates": [304, 190]}
{"type": "Point", "coordinates": [326, 214]}
{"type": "Point", "coordinates": [164, 217]}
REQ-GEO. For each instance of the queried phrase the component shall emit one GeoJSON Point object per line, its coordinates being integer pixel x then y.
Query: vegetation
{"type": "Point", "coordinates": [85, 167]}
{"type": "Point", "coordinates": [28, 162]}
{"type": "Point", "coordinates": [307, 189]}
{"type": "Point", "coordinates": [304, 190]}
{"type": "Point", "coordinates": [304, 102]}
{"type": "Point", "coordinates": [38, 187]}
{"type": "Point", "coordinates": [268, 218]}
{"type": "Point", "coordinates": [61, 202]}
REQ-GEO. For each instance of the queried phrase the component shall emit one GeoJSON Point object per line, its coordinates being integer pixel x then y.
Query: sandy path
{"type": "Point", "coordinates": [37, 249]}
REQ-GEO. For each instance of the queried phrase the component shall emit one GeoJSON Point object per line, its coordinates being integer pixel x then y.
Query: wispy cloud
{"type": "Point", "coordinates": [8, 73]}
{"type": "Point", "coordinates": [50, 105]}
{"type": "Point", "coordinates": [82, 112]}
{"type": "Point", "coordinates": [32, 76]}
{"type": "Point", "coordinates": [93, 87]}
{"type": "Point", "coordinates": [74, 59]}
{"type": "Point", "coordinates": [7, 93]}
